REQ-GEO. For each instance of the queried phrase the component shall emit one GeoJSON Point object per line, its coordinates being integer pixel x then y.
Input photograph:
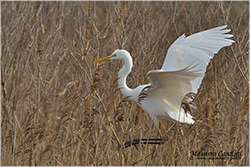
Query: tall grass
{"type": "Point", "coordinates": [58, 108]}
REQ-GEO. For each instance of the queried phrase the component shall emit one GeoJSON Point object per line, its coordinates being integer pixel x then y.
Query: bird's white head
{"type": "Point", "coordinates": [117, 54]}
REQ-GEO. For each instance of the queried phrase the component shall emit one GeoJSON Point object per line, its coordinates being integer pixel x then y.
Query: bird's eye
{"type": "Point", "coordinates": [114, 55]}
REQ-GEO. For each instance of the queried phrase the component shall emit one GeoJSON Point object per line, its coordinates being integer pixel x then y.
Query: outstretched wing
{"type": "Point", "coordinates": [172, 86]}
{"type": "Point", "coordinates": [198, 48]}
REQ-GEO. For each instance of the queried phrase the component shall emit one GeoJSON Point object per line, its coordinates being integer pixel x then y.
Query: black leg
{"type": "Point", "coordinates": [141, 141]}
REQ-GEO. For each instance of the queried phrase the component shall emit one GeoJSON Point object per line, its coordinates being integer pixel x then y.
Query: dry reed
{"type": "Point", "coordinates": [60, 109]}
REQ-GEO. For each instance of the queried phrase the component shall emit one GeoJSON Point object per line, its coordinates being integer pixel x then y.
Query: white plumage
{"type": "Point", "coordinates": [198, 48]}
{"type": "Point", "coordinates": [182, 72]}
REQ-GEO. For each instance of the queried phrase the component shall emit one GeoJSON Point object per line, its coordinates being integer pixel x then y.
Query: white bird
{"type": "Point", "coordinates": [182, 72]}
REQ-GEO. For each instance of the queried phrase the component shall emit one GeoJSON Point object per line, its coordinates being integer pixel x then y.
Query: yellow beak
{"type": "Point", "coordinates": [103, 59]}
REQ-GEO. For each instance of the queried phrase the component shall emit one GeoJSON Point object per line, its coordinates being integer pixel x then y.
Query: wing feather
{"type": "Point", "coordinates": [198, 48]}
{"type": "Point", "coordinates": [172, 86]}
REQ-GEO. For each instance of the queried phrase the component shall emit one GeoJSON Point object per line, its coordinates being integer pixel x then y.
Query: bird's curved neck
{"type": "Point", "coordinates": [123, 73]}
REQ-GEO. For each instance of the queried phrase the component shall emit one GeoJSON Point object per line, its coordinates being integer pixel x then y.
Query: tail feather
{"type": "Point", "coordinates": [183, 117]}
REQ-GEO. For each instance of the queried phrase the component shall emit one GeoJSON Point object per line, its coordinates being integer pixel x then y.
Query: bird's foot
{"type": "Point", "coordinates": [141, 141]}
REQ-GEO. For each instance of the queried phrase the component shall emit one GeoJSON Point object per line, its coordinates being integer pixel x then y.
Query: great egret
{"type": "Point", "coordinates": [182, 72]}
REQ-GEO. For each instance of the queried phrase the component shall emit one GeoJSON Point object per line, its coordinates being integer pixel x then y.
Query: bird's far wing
{"type": "Point", "coordinates": [172, 86]}
{"type": "Point", "coordinates": [198, 48]}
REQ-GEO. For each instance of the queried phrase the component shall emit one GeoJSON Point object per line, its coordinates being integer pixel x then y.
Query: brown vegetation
{"type": "Point", "coordinates": [58, 108]}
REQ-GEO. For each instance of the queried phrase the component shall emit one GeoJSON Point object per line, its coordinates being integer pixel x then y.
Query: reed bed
{"type": "Point", "coordinates": [58, 108]}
